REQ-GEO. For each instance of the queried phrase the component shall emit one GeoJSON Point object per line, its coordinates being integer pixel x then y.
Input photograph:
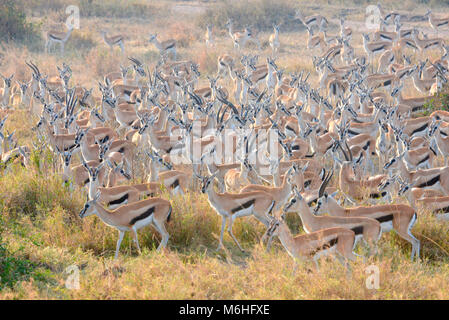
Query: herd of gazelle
{"type": "Point", "coordinates": [356, 115]}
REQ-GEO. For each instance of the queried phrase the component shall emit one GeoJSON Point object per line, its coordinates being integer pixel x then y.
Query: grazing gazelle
{"type": "Point", "coordinates": [132, 217]}
{"type": "Point", "coordinates": [58, 37]}
{"type": "Point", "coordinates": [164, 47]}
{"type": "Point", "coordinates": [112, 41]}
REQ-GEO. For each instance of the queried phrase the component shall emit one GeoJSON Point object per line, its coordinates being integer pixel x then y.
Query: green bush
{"type": "Point", "coordinates": [14, 25]}
{"type": "Point", "coordinates": [439, 102]}
{"type": "Point", "coordinates": [259, 14]}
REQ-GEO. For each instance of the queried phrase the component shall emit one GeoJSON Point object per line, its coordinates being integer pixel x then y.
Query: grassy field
{"type": "Point", "coordinates": [41, 234]}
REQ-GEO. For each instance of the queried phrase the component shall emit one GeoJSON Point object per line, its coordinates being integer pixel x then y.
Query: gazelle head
{"type": "Point", "coordinates": [404, 187]}
{"type": "Point", "coordinates": [295, 202]}
{"type": "Point", "coordinates": [393, 163]}
{"type": "Point", "coordinates": [89, 207]}
{"type": "Point", "coordinates": [7, 81]}
{"type": "Point", "coordinates": [206, 182]}
{"type": "Point", "coordinates": [273, 229]}
{"type": "Point", "coordinates": [93, 171]}
{"type": "Point", "coordinates": [138, 67]}
{"type": "Point", "coordinates": [23, 86]}
{"type": "Point", "coordinates": [387, 183]}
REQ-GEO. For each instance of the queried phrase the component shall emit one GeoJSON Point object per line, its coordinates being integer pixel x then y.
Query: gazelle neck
{"type": "Point", "coordinates": [104, 214]}
{"type": "Point", "coordinates": [334, 207]}
{"type": "Point", "coordinates": [307, 217]}
{"type": "Point", "coordinates": [286, 239]}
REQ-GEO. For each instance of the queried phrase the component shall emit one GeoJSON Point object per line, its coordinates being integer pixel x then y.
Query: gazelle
{"type": "Point", "coordinates": [132, 217]}
{"type": "Point", "coordinates": [112, 41]}
{"type": "Point", "coordinates": [315, 20]}
{"type": "Point", "coordinates": [372, 48]}
{"type": "Point", "coordinates": [314, 245]}
{"type": "Point", "coordinates": [6, 90]}
{"type": "Point", "coordinates": [355, 188]}
{"type": "Point", "coordinates": [120, 195]}
{"type": "Point", "coordinates": [232, 206]}
{"type": "Point", "coordinates": [366, 228]}
{"type": "Point", "coordinates": [274, 39]}
{"type": "Point", "coordinates": [164, 47]}
{"type": "Point", "coordinates": [280, 194]}
{"type": "Point", "coordinates": [345, 32]}
{"type": "Point", "coordinates": [434, 22]}
{"type": "Point", "coordinates": [439, 206]}
{"type": "Point", "coordinates": [435, 178]}
{"type": "Point", "coordinates": [398, 217]}
{"type": "Point", "coordinates": [426, 44]}
{"type": "Point", "coordinates": [58, 37]}
{"type": "Point", "coordinates": [442, 142]}
{"type": "Point", "coordinates": [209, 36]}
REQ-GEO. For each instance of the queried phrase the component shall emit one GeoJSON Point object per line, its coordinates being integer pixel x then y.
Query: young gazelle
{"type": "Point", "coordinates": [58, 37]}
{"type": "Point", "coordinates": [164, 47]}
{"type": "Point", "coordinates": [313, 245]}
{"type": "Point", "coordinates": [366, 228]}
{"type": "Point", "coordinates": [398, 217]}
{"type": "Point", "coordinates": [132, 217]}
{"type": "Point", "coordinates": [112, 41]}
{"type": "Point", "coordinates": [232, 206]}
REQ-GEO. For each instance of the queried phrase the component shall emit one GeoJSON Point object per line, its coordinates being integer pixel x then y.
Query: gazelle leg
{"type": "Point", "coordinates": [136, 240]}
{"type": "Point", "coordinates": [161, 229]}
{"type": "Point", "coordinates": [119, 242]}
{"type": "Point", "coordinates": [231, 221]}
{"type": "Point", "coordinates": [405, 233]}
{"type": "Point", "coordinates": [223, 225]}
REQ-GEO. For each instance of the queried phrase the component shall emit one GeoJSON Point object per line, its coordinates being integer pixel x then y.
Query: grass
{"type": "Point", "coordinates": [40, 231]}
{"type": "Point", "coordinates": [43, 235]}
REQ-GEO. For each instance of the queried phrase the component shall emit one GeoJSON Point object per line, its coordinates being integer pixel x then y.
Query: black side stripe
{"type": "Point", "coordinates": [325, 246]}
{"type": "Point", "coordinates": [420, 129]}
{"type": "Point", "coordinates": [175, 184]}
{"type": "Point", "coordinates": [358, 230]}
{"type": "Point", "coordinates": [429, 183]}
{"type": "Point", "coordinates": [244, 206]}
{"type": "Point", "coordinates": [386, 218]}
{"type": "Point", "coordinates": [144, 215]}
{"type": "Point", "coordinates": [120, 200]}
{"type": "Point", "coordinates": [442, 210]}
{"type": "Point", "coordinates": [424, 160]}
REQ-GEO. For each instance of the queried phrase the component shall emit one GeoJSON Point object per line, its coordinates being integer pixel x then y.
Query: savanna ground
{"type": "Point", "coordinates": [41, 234]}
